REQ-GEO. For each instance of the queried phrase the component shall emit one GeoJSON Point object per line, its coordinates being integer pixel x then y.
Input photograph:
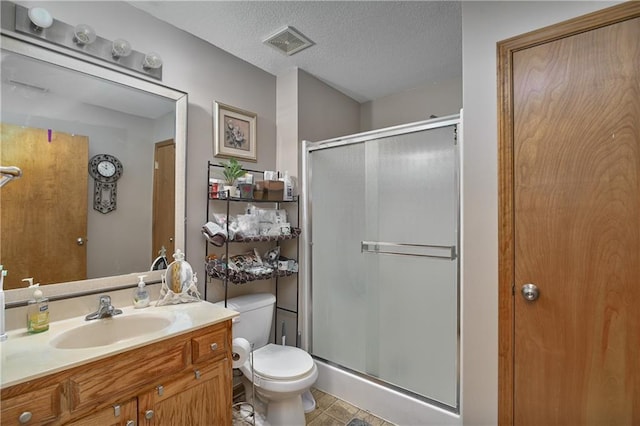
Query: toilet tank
{"type": "Point", "coordinates": [256, 315]}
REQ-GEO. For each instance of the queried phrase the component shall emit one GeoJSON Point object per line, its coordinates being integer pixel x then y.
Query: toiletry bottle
{"type": "Point", "coordinates": [3, 334]}
{"type": "Point", "coordinates": [37, 310]}
{"type": "Point", "coordinates": [288, 187]}
{"type": "Point", "coordinates": [141, 297]}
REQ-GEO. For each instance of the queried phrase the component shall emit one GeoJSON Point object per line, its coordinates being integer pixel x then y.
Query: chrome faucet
{"type": "Point", "coordinates": [105, 309]}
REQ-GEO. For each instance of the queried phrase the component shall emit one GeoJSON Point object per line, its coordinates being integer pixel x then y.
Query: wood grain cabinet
{"type": "Point", "coordinates": [120, 414]}
{"type": "Point", "coordinates": [194, 399]}
{"type": "Point", "coordinates": [182, 380]}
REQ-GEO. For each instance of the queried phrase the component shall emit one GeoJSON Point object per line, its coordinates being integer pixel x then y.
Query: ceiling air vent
{"type": "Point", "coordinates": [288, 41]}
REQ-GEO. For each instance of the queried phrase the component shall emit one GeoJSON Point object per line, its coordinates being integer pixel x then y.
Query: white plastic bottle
{"type": "Point", "coordinates": [288, 187]}
{"type": "Point", "coordinates": [141, 297]}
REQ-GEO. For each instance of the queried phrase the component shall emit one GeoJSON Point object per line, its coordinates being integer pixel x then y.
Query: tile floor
{"type": "Point", "coordinates": [330, 411]}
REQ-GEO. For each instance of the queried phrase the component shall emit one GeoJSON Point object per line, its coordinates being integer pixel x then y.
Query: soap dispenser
{"type": "Point", "coordinates": [37, 310]}
{"type": "Point", "coordinates": [141, 297]}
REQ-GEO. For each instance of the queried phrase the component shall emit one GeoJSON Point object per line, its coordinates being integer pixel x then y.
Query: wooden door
{"type": "Point", "coordinates": [45, 211]}
{"type": "Point", "coordinates": [164, 189]}
{"type": "Point", "coordinates": [577, 228]}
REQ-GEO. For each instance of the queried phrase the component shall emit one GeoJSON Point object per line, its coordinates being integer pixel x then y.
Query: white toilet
{"type": "Point", "coordinates": [281, 374]}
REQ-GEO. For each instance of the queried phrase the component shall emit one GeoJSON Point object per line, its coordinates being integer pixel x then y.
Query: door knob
{"type": "Point", "coordinates": [80, 241]}
{"type": "Point", "coordinates": [530, 292]}
{"type": "Point", "coordinates": [148, 414]}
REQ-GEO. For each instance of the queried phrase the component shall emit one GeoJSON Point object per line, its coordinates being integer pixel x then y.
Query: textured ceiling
{"type": "Point", "coordinates": [366, 50]}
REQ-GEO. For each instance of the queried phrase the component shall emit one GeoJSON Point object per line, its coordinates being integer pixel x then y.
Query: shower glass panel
{"type": "Point", "coordinates": [384, 279]}
{"type": "Point", "coordinates": [340, 290]}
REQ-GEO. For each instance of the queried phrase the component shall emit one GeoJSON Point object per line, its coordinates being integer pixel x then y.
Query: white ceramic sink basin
{"type": "Point", "coordinates": [107, 331]}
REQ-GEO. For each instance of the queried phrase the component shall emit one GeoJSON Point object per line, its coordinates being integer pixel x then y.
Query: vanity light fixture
{"type": "Point", "coordinates": [152, 61]}
{"type": "Point", "coordinates": [120, 48]}
{"type": "Point", "coordinates": [83, 39]}
{"type": "Point", "coordinates": [83, 34]}
{"type": "Point", "coordinates": [40, 18]}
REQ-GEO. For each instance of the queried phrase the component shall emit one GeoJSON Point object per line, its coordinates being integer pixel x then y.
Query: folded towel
{"type": "Point", "coordinates": [214, 233]}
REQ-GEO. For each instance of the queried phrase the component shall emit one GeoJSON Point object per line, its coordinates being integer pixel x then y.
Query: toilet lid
{"type": "Point", "coordinates": [279, 362]}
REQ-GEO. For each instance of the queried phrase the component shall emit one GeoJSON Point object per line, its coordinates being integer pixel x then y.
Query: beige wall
{"type": "Point", "coordinates": [287, 122]}
{"type": "Point", "coordinates": [483, 25]}
{"type": "Point", "coordinates": [419, 103]}
{"type": "Point", "coordinates": [324, 112]}
{"type": "Point", "coordinates": [309, 109]}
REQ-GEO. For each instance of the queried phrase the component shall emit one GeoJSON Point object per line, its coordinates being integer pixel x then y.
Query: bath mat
{"type": "Point", "coordinates": [358, 422]}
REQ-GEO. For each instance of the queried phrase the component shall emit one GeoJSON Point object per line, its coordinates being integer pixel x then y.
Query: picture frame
{"type": "Point", "coordinates": [234, 132]}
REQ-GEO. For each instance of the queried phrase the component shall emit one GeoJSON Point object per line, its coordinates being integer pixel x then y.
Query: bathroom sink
{"type": "Point", "coordinates": [107, 331]}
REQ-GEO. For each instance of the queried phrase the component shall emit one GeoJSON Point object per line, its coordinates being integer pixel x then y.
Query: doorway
{"type": "Point", "coordinates": [569, 222]}
{"type": "Point", "coordinates": [164, 189]}
{"type": "Point", "coordinates": [42, 237]}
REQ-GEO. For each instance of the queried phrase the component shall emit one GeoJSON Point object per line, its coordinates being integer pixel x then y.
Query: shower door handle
{"type": "Point", "coordinates": [405, 249]}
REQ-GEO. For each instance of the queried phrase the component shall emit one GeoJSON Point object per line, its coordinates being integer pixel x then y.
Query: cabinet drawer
{"type": "Point", "coordinates": [210, 345]}
{"type": "Point", "coordinates": [97, 382]}
{"type": "Point", "coordinates": [125, 413]}
{"type": "Point", "coordinates": [38, 407]}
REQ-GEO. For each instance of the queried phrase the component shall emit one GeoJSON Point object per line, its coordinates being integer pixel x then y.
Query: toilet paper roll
{"type": "Point", "coordinates": [241, 348]}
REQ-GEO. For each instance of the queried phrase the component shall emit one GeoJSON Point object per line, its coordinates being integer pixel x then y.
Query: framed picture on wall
{"type": "Point", "coordinates": [235, 132]}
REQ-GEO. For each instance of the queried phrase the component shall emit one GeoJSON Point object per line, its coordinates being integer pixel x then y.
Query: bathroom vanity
{"type": "Point", "coordinates": [179, 372]}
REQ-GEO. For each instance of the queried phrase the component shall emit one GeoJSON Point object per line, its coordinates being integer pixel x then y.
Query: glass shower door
{"type": "Point", "coordinates": [384, 260]}
{"type": "Point", "coordinates": [339, 288]}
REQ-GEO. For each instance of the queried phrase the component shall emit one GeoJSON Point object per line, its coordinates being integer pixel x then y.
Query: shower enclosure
{"type": "Point", "coordinates": [383, 260]}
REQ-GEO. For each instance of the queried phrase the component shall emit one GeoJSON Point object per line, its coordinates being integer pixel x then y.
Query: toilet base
{"type": "Point", "coordinates": [308, 402]}
{"type": "Point", "coordinates": [286, 412]}
{"type": "Point", "coordinates": [283, 412]}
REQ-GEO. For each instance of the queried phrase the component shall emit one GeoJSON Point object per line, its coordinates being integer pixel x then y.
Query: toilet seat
{"type": "Point", "coordinates": [277, 362]}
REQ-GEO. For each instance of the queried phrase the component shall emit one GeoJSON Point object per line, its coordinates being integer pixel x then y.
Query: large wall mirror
{"type": "Point", "coordinates": [59, 223]}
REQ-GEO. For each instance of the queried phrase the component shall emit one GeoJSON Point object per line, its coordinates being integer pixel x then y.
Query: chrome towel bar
{"type": "Point", "coordinates": [404, 249]}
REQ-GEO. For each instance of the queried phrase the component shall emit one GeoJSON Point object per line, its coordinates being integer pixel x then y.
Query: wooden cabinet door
{"type": "Point", "coordinates": [122, 414]}
{"type": "Point", "coordinates": [202, 397]}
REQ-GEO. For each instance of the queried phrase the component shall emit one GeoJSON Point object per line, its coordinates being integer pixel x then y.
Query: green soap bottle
{"type": "Point", "coordinates": [37, 310]}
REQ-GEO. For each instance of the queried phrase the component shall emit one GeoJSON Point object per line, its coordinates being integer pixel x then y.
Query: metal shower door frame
{"type": "Point", "coordinates": [307, 239]}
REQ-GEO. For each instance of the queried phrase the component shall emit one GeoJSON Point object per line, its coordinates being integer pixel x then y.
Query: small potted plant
{"type": "Point", "coordinates": [232, 170]}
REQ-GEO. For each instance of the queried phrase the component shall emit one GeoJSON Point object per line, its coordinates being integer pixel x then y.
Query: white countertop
{"type": "Point", "coordinates": [26, 356]}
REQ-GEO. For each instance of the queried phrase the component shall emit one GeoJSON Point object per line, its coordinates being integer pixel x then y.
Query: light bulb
{"type": "Point", "coordinates": [120, 48]}
{"type": "Point", "coordinates": [84, 34]}
{"type": "Point", "coordinates": [152, 60]}
{"type": "Point", "coordinates": [40, 17]}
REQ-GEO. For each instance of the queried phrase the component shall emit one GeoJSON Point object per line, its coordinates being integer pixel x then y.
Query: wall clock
{"type": "Point", "coordinates": [105, 170]}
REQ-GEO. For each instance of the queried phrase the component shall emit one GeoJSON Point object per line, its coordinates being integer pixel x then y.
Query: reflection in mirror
{"type": "Point", "coordinates": [68, 219]}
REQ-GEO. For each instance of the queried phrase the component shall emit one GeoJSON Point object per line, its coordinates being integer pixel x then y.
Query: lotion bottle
{"type": "Point", "coordinates": [141, 297]}
{"type": "Point", "coordinates": [37, 310]}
